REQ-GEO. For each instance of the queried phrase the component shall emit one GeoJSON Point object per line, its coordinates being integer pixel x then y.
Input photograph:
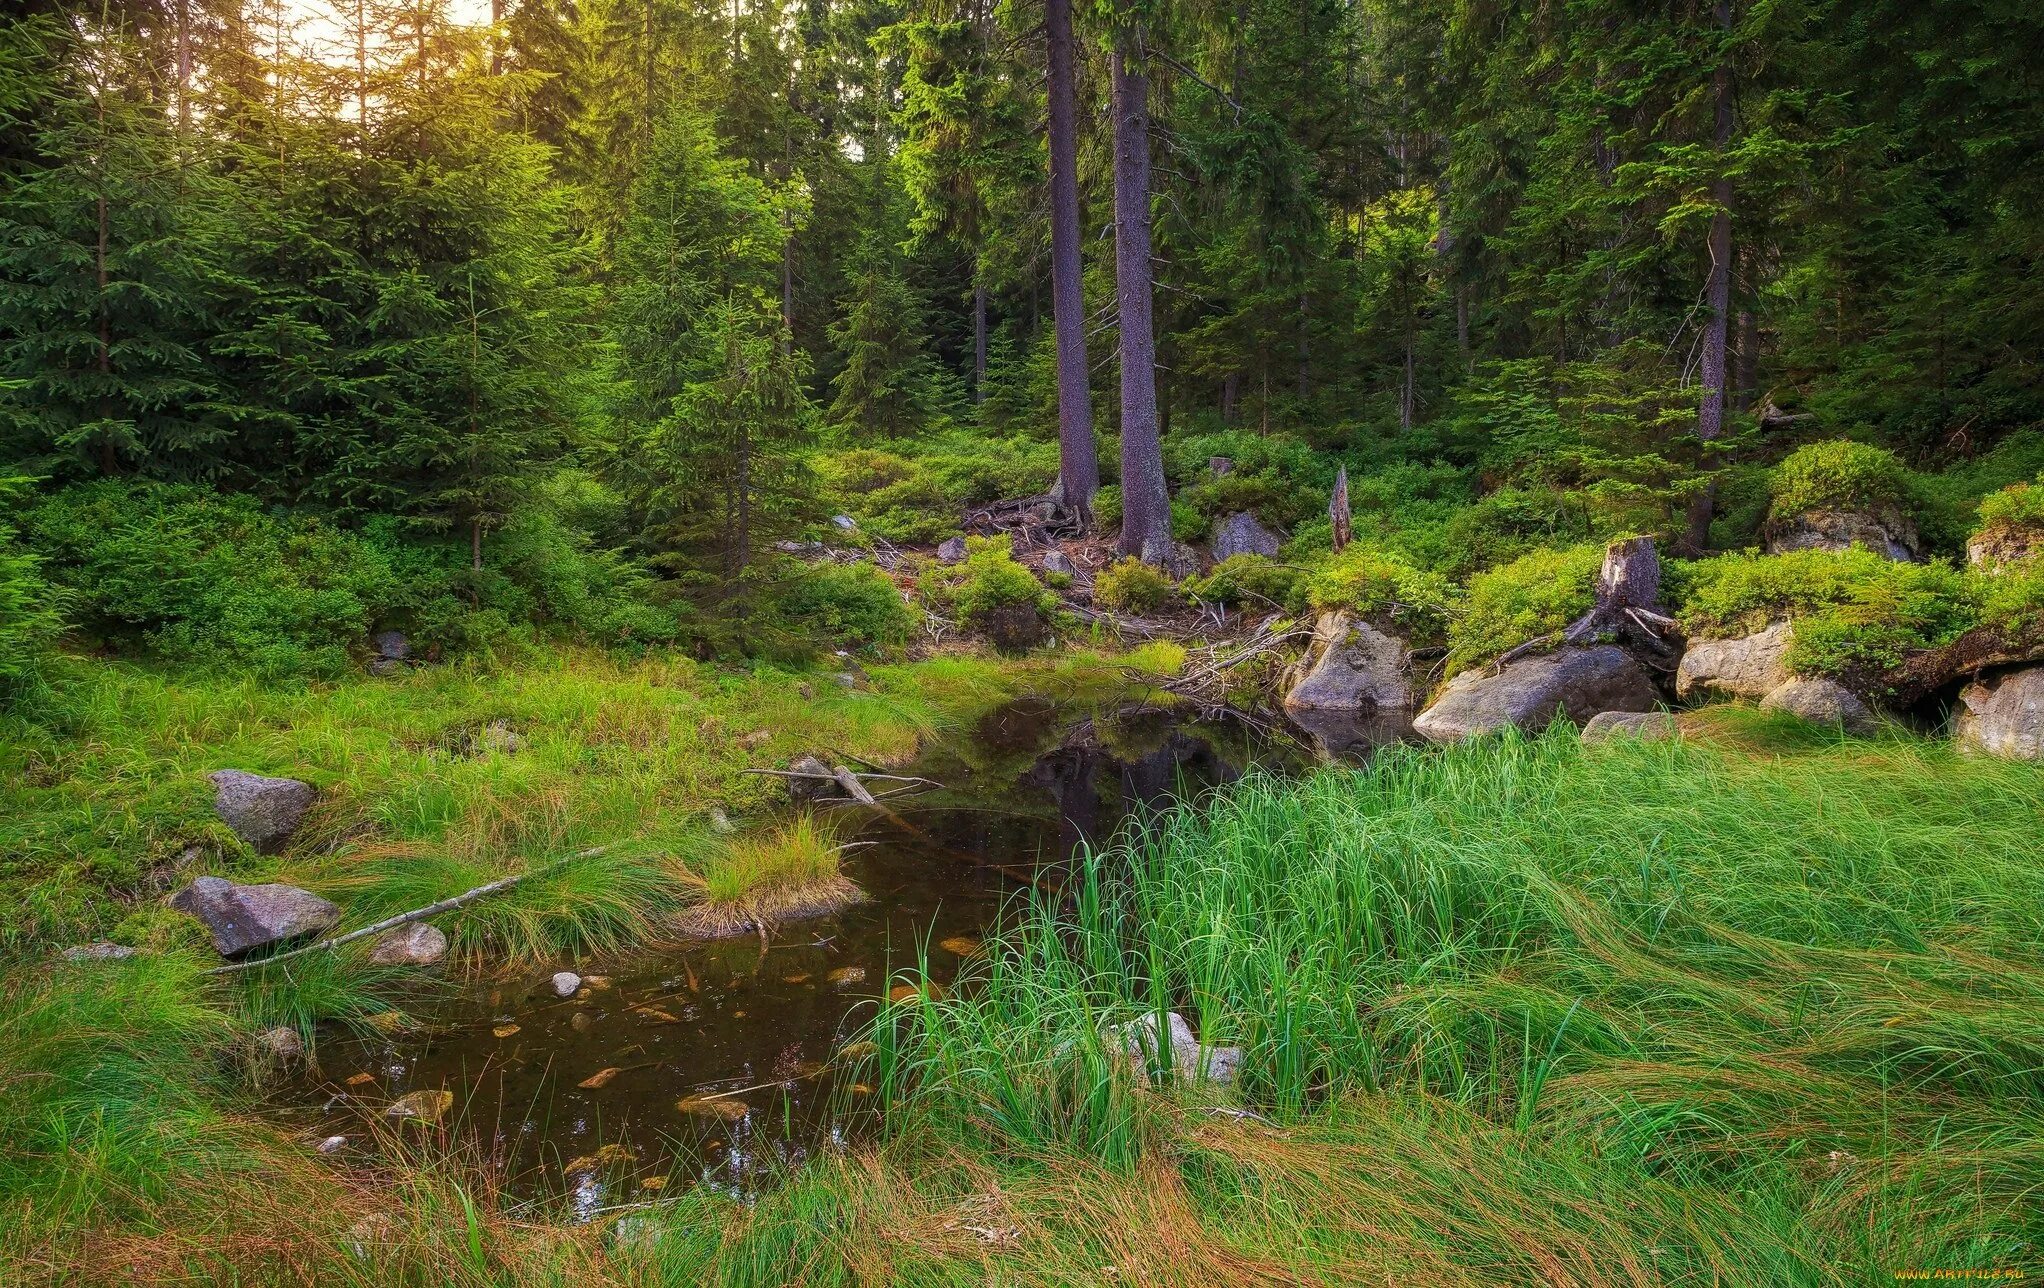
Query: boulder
{"type": "Point", "coordinates": [1886, 531]}
{"type": "Point", "coordinates": [1573, 683]}
{"type": "Point", "coordinates": [565, 982]}
{"type": "Point", "coordinates": [416, 944]}
{"type": "Point", "coordinates": [2004, 716]}
{"type": "Point", "coordinates": [1747, 667]}
{"type": "Point", "coordinates": [1137, 1041]}
{"type": "Point", "coordinates": [333, 1145]}
{"type": "Point", "coordinates": [392, 645]}
{"type": "Point", "coordinates": [1647, 726]}
{"type": "Point", "coordinates": [98, 952]}
{"type": "Point", "coordinates": [844, 523]}
{"type": "Point", "coordinates": [1825, 702]}
{"type": "Point", "coordinates": [1241, 534]}
{"type": "Point", "coordinates": [951, 550]}
{"type": "Point", "coordinates": [1057, 561]}
{"type": "Point", "coordinates": [1996, 549]}
{"type": "Point", "coordinates": [1015, 628]}
{"type": "Point", "coordinates": [1351, 666]}
{"type": "Point", "coordinates": [242, 918]}
{"type": "Point", "coordinates": [261, 811]}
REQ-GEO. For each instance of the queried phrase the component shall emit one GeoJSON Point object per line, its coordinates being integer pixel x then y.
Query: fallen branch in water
{"type": "Point", "coordinates": [461, 900]}
{"type": "Point", "coordinates": [832, 776]}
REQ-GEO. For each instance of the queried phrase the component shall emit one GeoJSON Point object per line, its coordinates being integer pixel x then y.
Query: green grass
{"type": "Point", "coordinates": [1754, 1008]}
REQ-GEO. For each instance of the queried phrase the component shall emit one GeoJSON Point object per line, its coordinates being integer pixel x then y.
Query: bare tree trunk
{"type": "Point", "coordinates": [1145, 505]}
{"type": "Point", "coordinates": [184, 65]}
{"type": "Point", "coordinates": [1710, 413]}
{"type": "Point", "coordinates": [1746, 331]}
{"type": "Point", "coordinates": [979, 344]}
{"type": "Point", "coordinates": [1078, 462]}
{"type": "Point", "coordinates": [1231, 396]}
{"type": "Point", "coordinates": [1338, 512]}
{"type": "Point", "coordinates": [496, 37]}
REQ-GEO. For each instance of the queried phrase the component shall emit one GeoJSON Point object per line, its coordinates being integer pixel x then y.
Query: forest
{"type": "Point", "coordinates": [1491, 551]}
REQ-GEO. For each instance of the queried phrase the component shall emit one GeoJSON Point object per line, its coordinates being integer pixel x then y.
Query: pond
{"type": "Point", "coordinates": [743, 1031]}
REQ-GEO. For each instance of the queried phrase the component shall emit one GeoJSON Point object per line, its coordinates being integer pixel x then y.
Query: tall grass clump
{"type": "Point", "coordinates": [1790, 1007]}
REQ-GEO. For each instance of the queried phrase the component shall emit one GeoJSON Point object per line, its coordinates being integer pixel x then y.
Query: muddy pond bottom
{"type": "Point", "coordinates": [724, 1063]}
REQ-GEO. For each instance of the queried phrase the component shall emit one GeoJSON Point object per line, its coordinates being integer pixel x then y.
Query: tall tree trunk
{"type": "Point", "coordinates": [979, 344]}
{"type": "Point", "coordinates": [1078, 461]}
{"type": "Point", "coordinates": [1746, 331]}
{"type": "Point", "coordinates": [1231, 397]}
{"type": "Point", "coordinates": [108, 461]}
{"type": "Point", "coordinates": [184, 65]}
{"type": "Point", "coordinates": [1145, 505]}
{"type": "Point", "coordinates": [1710, 413]}
{"type": "Point", "coordinates": [496, 37]}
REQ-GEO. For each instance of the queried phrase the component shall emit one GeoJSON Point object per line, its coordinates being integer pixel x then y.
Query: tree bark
{"type": "Point", "coordinates": [979, 344]}
{"type": "Point", "coordinates": [1145, 505]}
{"type": "Point", "coordinates": [496, 37]}
{"type": "Point", "coordinates": [1710, 413]}
{"type": "Point", "coordinates": [1078, 461]}
{"type": "Point", "coordinates": [1337, 509]}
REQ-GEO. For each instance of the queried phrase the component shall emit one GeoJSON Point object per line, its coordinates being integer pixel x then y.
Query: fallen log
{"type": "Point", "coordinates": [461, 900]}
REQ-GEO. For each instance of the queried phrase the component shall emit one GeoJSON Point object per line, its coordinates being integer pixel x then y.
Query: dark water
{"type": "Point", "coordinates": [763, 1021]}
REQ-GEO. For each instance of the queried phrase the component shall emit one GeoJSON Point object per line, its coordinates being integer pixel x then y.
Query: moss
{"type": "Point", "coordinates": [1384, 588]}
{"type": "Point", "coordinates": [987, 580]}
{"type": "Point", "coordinates": [1133, 586]}
{"type": "Point", "coordinates": [1534, 595]}
{"type": "Point", "coordinates": [1839, 474]}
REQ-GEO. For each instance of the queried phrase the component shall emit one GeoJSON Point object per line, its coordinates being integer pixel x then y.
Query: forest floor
{"type": "Point", "coordinates": [1755, 1006]}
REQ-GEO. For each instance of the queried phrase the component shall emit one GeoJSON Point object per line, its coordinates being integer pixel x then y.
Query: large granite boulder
{"type": "Point", "coordinates": [1825, 702]}
{"type": "Point", "coordinates": [1241, 534]}
{"type": "Point", "coordinates": [242, 918]}
{"type": "Point", "coordinates": [261, 811]}
{"type": "Point", "coordinates": [1351, 666]}
{"type": "Point", "coordinates": [1748, 667]}
{"type": "Point", "coordinates": [2004, 716]}
{"type": "Point", "coordinates": [1572, 683]}
{"type": "Point", "coordinates": [1644, 726]}
{"type": "Point", "coordinates": [1884, 530]}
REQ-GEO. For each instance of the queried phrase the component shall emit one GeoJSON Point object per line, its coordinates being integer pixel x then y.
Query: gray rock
{"type": "Point", "coordinates": [498, 737]}
{"type": "Point", "coordinates": [392, 644]}
{"type": "Point", "coordinates": [2004, 716]}
{"type": "Point", "coordinates": [816, 785]}
{"type": "Point", "coordinates": [1220, 466]}
{"type": "Point", "coordinates": [1647, 726]}
{"type": "Point", "coordinates": [1825, 702]}
{"type": "Point", "coordinates": [417, 944]}
{"type": "Point", "coordinates": [1177, 559]}
{"type": "Point", "coordinates": [1057, 561]}
{"type": "Point", "coordinates": [720, 822]}
{"type": "Point", "coordinates": [844, 522]}
{"type": "Point", "coordinates": [98, 952]}
{"type": "Point", "coordinates": [1137, 1040]}
{"type": "Point", "coordinates": [565, 983]}
{"type": "Point", "coordinates": [1998, 549]}
{"type": "Point", "coordinates": [1015, 628]}
{"type": "Point", "coordinates": [1886, 531]}
{"type": "Point", "coordinates": [261, 811]}
{"type": "Point", "coordinates": [1748, 667]}
{"type": "Point", "coordinates": [1351, 666]}
{"type": "Point", "coordinates": [333, 1145]}
{"type": "Point", "coordinates": [384, 667]}
{"type": "Point", "coordinates": [1572, 683]}
{"type": "Point", "coordinates": [245, 917]}
{"type": "Point", "coordinates": [951, 550]}
{"type": "Point", "coordinates": [1241, 534]}
{"type": "Point", "coordinates": [283, 1042]}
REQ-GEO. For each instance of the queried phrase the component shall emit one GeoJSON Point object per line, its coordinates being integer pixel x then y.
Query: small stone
{"type": "Point", "coordinates": [755, 740]}
{"type": "Point", "coordinates": [284, 1042]}
{"type": "Point", "coordinates": [1646, 726]}
{"type": "Point", "coordinates": [1825, 702]}
{"type": "Point", "coordinates": [720, 822]}
{"type": "Point", "coordinates": [844, 522]}
{"type": "Point", "coordinates": [392, 645]}
{"type": "Point", "coordinates": [261, 811]}
{"type": "Point", "coordinates": [417, 944]}
{"type": "Point", "coordinates": [1220, 466]}
{"type": "Point", "coordinates": [98, 952]}
{"type": "Point", "coordinates": [422, 1106]}
{"type": "Point", "coordinates": [566, 982]}
{"type": "Point", "coordinates": [333, 1144]}
{"type": "Point", "coordinates": [1138, 1041]}
{"type": "Point", "coordinates": [848, 975]}
{"type": "Point", "coordinates": [1058, 563]}
{"type": "Point", "coordinates": [951, 551]}
{"type": "Point", "coordinates": [498, 737]}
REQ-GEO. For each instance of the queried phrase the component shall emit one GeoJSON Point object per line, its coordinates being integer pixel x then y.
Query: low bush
{"type": "Point", "coordinates": [1253, 582]}
{"type": "Point", "coordinates": [850, 603]}
{"type": "Point", "coordinates": [1853, 610]}
{"type": "Point", "coordinates": [2016, 508]}
{"type": "Point", "coordinates": [987, 580]}
{"type": "Point", "coordinates": [1132, 586]}
{"type": "Point", "coordinates": [1534, 595]}
{"type": "Point", "coordinates": [914, 495]}
{"type": "Point", "coordinates": [1838, 474]}
{"type": "Point", "coordinates": [29, 616]}
{"type": "Point", "coordinates": [1385, 589]}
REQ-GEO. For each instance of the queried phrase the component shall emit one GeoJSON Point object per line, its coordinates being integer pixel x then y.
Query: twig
{"type": "Point", "coordinates": [853, 787]}
{"type": "Point", "coordinates": [404, 919]}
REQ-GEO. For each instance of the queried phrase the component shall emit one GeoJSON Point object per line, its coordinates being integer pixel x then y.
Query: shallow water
{"type": "Point", "coordinates": [753, 1025]}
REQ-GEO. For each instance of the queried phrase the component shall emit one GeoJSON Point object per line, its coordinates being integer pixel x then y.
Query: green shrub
{"type": "Point", "coordinates": [1837, 475]}
{"type": "Point", "coordinates": [2018, 507]}
{"type": "Point", "coordinates": [1107, 506]}
{"type": "Point", "coordinates": [853, 603]}
{"type": "Point", "coordinates": [29, 616]}
{"type": "Point", "coordinates": [1383, 588]}
{"type": "Point", "coordinates": [1251, 581]}
{"type": "Point", "coordinates": [914, 495]}
{"type": "Point", "coordinates": [1534, 595]}
{"type": "Point", "coordinates": [1133, 586]}
{"type": "Point", "coordinates": [1853, 610]}
{"type": "Point", "coordinates": [2012, 602]}
{"type": "Point", "coordinates": [987, 580]}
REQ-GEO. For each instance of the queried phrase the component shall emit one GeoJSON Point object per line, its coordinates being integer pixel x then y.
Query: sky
{"type": "Point", "coordinates": [317, 29]}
